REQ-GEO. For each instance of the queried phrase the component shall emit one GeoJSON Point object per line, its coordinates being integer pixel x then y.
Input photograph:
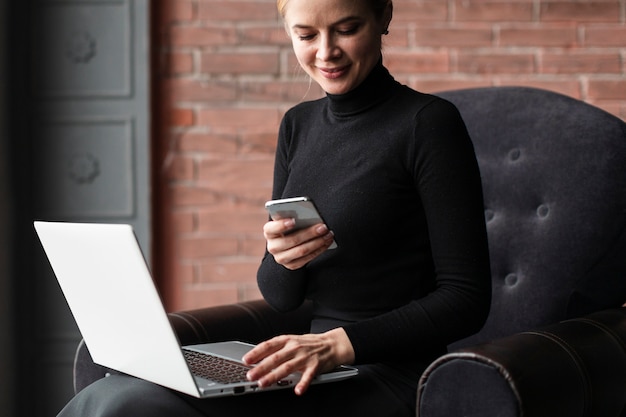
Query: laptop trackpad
{"type": "Point", "coordinates": [228, 350]}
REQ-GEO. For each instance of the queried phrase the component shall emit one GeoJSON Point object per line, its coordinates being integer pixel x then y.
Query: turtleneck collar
{"type": "Point", "coordinates": [376, 88]}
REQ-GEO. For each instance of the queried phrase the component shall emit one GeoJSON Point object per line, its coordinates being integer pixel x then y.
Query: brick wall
{"type": "Point", "coordinates": [224, 74]}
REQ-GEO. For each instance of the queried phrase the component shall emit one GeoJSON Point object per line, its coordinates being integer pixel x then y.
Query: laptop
{"type": "Point", "coordinates": [110, 291]}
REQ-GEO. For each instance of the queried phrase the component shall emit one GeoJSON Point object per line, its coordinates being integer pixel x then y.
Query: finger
{"type": "Point", "coordinates": [305, 381]}
{"type": "Point", "coordinates": [277, 228]}
{"type": "Point", "coordinates": [282, 242]}
{"type": "Point", "coordinates": [270, 370]}
{"type": "Point", "coordinates": [298, 256]}
{"type": "Point", "coordinates": [264, 349]}
{"type": "Point", "coordinates": [278, 369]}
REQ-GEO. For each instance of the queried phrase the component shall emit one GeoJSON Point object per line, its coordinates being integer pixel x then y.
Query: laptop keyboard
{"type": "Point", "coordinates": [215, 368]}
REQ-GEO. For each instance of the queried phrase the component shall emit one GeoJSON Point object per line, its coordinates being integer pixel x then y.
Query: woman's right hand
{"type": "Point", "coordinates": [296, 249]}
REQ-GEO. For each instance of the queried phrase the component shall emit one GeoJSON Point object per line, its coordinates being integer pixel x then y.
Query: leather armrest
{"type": "Point", "coordinates": [573, 368]}
{"type": "Point", "coordinates": [251, 321]}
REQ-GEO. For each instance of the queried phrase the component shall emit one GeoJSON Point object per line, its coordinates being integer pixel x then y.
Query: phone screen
{"type": "Point", "coordinates": [301, 209]}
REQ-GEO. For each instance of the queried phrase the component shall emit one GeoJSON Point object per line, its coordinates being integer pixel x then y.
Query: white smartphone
{"type": "Point", "coordinates": [301, 209]}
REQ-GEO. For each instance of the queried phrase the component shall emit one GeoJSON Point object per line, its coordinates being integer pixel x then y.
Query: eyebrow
{"type": "Point", "coordinates": [339, 22]}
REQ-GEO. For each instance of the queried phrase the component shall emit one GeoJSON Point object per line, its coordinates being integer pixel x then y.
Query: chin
{"type": "Point", "coordinates": [336, 88]}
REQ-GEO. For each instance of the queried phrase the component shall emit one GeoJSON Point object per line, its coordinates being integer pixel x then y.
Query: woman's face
{"type": "Point", "coordinates": [337, 42]}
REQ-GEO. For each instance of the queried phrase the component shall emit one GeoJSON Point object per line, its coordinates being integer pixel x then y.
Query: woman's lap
{"type": "Point", "coordinates": [366, 394]}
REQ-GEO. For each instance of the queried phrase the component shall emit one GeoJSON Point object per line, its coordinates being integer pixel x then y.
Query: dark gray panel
{"type": "Point", "coordinates": [85, 169]}
{"type": "Point", "coordinates": [82, 50]}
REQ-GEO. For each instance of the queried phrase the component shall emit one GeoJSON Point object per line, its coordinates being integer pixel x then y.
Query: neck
{"type": "Point", "coordinates": [375, 88]}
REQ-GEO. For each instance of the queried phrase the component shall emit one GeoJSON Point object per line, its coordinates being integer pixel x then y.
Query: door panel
{"type": "Point", "coordinates": [88, 76]}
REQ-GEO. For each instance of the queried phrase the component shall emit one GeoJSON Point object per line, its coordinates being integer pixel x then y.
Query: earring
{"type": "Point", "coordinates": [386, 32]}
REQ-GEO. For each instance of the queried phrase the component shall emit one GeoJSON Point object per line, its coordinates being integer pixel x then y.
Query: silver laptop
{"type": "Point", "coordinates": [119, 313]}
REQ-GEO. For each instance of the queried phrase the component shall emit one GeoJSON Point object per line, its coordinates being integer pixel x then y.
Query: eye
{"type": "Point", "coordinates": [305, 37]}
{"type": "Point", "coordinates": [348, 30]}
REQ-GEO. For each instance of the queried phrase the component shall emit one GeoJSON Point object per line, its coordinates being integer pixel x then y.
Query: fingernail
{"type": "Point", "coordinates": [321, 229]}
{"type": "Point", "coordinates": [289, 222]}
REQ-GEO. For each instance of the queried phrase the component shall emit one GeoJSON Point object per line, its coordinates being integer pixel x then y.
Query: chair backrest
{"type": "Point", "coordinates": [554, 177]}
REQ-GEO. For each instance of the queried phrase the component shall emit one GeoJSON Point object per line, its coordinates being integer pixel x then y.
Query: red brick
{"type": "Point", "coordinates": [264, 35]}
{"type": "Point", "coordinates": [416, 62]}
{"type": "Point", "coordinates": [453, 36]}
{"type": "Point", "coordinates": [197, 36]}
{"type": "Point", "coordinates": [183, 195]}
{"type": "Point", "coordinates": [581, 11]}
{"type": "Point", "coordinates": [538, 36]}
{"type": "Point", "coordinates": [398, 37]}
{"type": "Point", "coordinates": [259, 143]}
{"type": "Point", "coordinates": [182, 221]}
{"type": "Point", "coordinates": [605, 36]}
{"type": "Point", "coordinates": [176, 11]}
{"type": "Point", "coordinates": [290, 91]}
{"type": "Point", "coordinates": [181, 117]}
{"type": "Point", "coordinates": [419, 11]}
{"type": "Point", "coordinates": [206, 143]}
{"type": "Point", "coordinates": [255, 247]}
{"type": "Point", "coordinates": [436, 85]}
{"type": "Point", "coordinates": [495, 63]}
{"type": "Point", "coordinates": [231, 222]}
{"type": "Point", "coordinates": [186, 89]}
{"type": "Point", "coordinates": [577, 63]}
{"type": "Point", "coordinates": [249, 292]}
{"type": "Point", "coordinates": [185, 273]}
{"type": "Point", "coordinates": [224, 120]}
{"type": "Point", "coordinates": [179, 63]}
{"type": "Point", "coordinates": [228, 10]}
{"type": "Point", "coordinates": [227, 121]}
{"type": "Point", "coordinates": [179, 168]}
{"type": "Point", "coordinates": [493, 11]}
{"type": "Point", "coordinates": [201, 247]}
{"type": "Point", "coordinates": [238, 178]}
{"type": "Point", "coordinates": [193, 297]}
{"type": "Point", "coordinates": [233, 270]}
{"type": "Point", "coordinates": [240, 63]}
{"type": "Point", "coordinates": [607, 89]}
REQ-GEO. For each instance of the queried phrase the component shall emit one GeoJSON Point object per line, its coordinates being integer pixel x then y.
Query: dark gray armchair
{"type": "Point", "coordinates": [554, 176]}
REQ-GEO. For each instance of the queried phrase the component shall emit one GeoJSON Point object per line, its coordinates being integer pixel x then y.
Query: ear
{"type": "Point", "coordinates": [387, 15]}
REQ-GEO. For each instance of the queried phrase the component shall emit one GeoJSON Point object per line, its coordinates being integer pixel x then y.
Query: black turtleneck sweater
{"type": "Point", "coordinates": [394, 174]}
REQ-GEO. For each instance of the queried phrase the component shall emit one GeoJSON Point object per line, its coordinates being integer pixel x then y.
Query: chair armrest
{"type": "Point", "coordinates": [573, 368]}
{"type": "Point", "coordinates": [251, 321]}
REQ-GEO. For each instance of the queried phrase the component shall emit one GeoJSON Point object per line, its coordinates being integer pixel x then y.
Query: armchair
{"type": "Point", "coordinates": [554, 178]}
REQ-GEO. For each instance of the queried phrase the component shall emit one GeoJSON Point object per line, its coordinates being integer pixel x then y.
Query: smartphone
{"type": "Point", "coordinates": [301, 209]}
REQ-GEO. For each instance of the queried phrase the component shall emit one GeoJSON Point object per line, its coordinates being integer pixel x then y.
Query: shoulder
{"type": "Point", "coordinates": [305, 109]}
{"type": "Point", "coordinates": [427, 105]}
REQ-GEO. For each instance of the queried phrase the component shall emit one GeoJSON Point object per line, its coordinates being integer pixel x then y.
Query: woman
{"type": "Point", "coordinates": [394, 174]}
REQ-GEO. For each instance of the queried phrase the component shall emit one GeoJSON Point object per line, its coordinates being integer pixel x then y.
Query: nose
{"type": "Point", "coordinates": [328, 48]}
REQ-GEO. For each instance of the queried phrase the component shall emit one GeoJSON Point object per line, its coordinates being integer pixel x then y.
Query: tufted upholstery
{"type": "Point", "coordinates": [554, 178]}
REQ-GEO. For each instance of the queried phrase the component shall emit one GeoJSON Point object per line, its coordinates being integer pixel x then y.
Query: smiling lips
{"type": "Point", "coordinates": [333, 73]}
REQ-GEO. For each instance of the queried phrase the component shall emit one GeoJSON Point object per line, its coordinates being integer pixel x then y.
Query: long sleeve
{"type": "Point", "coordinates": [283, 289]}
{"type": "Point", "coordinates": [459, 304]}
{"type": "Point", "coordinates": [394, 174]}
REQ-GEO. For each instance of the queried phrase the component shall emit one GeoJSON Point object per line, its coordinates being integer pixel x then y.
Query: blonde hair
{"type": "Point", "coordinates": [378, 6]}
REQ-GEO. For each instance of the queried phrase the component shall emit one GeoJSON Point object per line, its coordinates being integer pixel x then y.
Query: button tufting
{"type": "Point", "coordinates": [543, 210]}
{"type": "Point", "coordinates": [515, 154]}
{"type": "Point", "coordinates": [510, 280]}
{"type": "Point", "coordinates": [489, 215]}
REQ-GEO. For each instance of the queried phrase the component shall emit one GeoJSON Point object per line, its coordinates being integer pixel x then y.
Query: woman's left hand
{"type": "Point", "coordinates": [309, 354]}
